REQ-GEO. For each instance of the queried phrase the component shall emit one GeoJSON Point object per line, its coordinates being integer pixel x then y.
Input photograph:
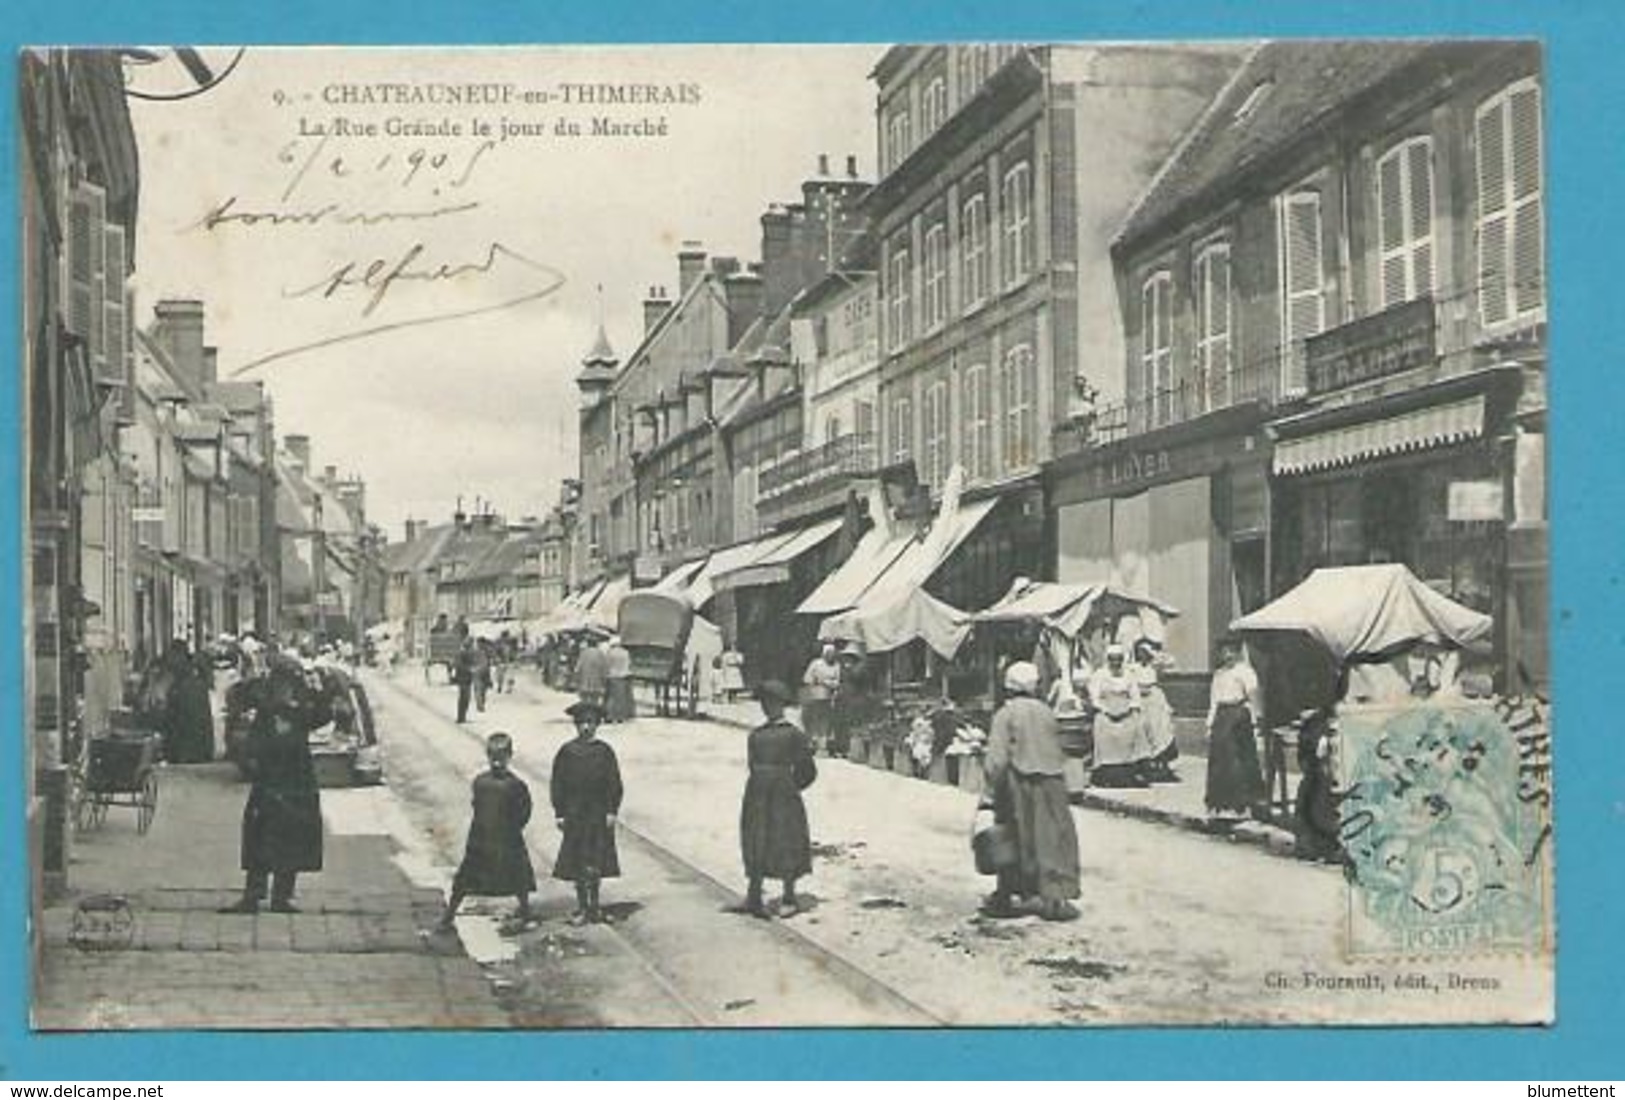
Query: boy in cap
{"type": "Point", "coordinates": [496, 862]}
{"type": "Point", "coordinates": [586, 793]}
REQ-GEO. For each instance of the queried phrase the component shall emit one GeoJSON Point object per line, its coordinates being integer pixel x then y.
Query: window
{"type": "Point", "coordinates": [898, 138]}
{"type": "Point", "coordinates": [1210, 285]}
{"type": "Point", "coordinates": [864, 418]}
{"type": "Point", "coordinates": [1303, 305]}
{"type": "Point", "coordinates": [935, 277]}
{"type": "Point", "coordinates": [976, 413]}
{"type": "Point", "coordinates": [899, 319]}
{"type": "Point", "coordinates": [934, 105]}
{"type": "Point", "coordinates": [902, 428]}
{"type": "Point", "coordinates": [1157, 346]}
{"type": "Point", "coordinates": [936, 456]}
{"type": "Point", "coordinates": [1020, 414]}
{"type": "Point", "coordinates": [1405, 220]}
{"type": "Point", "coordinates": [1016, 261]}
{"type": "Point", "coordinates": [977, 274]}
{"type": "Point", "coordinates": [974, 62]}
{"type": "Point", "coordinates": [1511, 273]}
{"type": "Point", "coordinates": [832, 429]}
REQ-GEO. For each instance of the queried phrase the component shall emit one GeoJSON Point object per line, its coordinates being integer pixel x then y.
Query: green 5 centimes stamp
{"type": "Point", "coordinates": [1446, 821]}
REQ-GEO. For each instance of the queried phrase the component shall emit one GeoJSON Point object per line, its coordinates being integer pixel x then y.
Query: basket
{"type": "Point", "coordinates": [995, 849]}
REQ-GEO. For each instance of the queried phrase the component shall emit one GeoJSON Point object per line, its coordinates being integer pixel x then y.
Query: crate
{"type": "Point", "coordinates": [333, 769]}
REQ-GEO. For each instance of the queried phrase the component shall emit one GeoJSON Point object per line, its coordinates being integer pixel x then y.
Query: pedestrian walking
{"type": "Point", "coordinates": [618, 702]}
{"type": "Point", "coordinates": [773, 835]}
{"type": "Point", "coordinates": [586, 794]}
{"type": "Point", "coordinates": [482, 673]}
{"type": "Point", "coordinates": [592, 674]}
{"type": "Point", "coordinates": [1027, 789]}
{"type": "Point", "coordinates": [1235, 785]}
{"type": "Point", "coordinates": [1122, 752]}
{"type": "Point", "coordinates": [496, 862]}
{"type": "Point", "coordinates": [1149, 663]}
{"type": "Point", "coordinates": [282, 819]}
{"type": "Point", "coordinates": [462, 674]}
{"type": "Point", "coordinates": [818, 687]}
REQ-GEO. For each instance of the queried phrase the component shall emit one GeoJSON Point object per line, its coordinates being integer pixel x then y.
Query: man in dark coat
{"type": "Point", "coordinates": [586, 793]}
{"type": "Point", "coordinates": [496, 862]}
{"type": "Point", "coordinates": [773, 835]}
{"type": "Point", "coordinates": [462, 674]}
{"type": "Point", "coordinates": [282, 821]}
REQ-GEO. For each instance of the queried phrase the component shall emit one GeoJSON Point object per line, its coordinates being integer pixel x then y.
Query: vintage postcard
{"type": "Point", "coordinates": [771, 536]}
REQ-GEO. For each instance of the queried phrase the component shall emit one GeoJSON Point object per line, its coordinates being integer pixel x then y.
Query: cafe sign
{"type": "Point", "coordinates": [1476, 502]}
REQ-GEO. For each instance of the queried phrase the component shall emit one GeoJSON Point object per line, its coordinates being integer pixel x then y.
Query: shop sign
{"type": "Point", "coordinates": [1476, 502]}
{"type": "Point", "coordinates": [147, 515]}
{"type": "Point", "coordinates": [646, 569]}
{"type": "Point", "coordinates": [1133, 467]}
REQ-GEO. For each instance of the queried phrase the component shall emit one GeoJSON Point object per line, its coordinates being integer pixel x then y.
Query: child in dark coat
{"type": "Point", "coordinates": [495, 860]}
{"type": "Point", "coordinates": [586, 792]}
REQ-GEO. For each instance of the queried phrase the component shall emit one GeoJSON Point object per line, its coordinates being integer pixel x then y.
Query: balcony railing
{"type": "Point", "coordinates": [1264, 382]}
{"type": "Point", "coordinates": [805, 469]}
{"type": "Point", "coordinates": [1391, 342]}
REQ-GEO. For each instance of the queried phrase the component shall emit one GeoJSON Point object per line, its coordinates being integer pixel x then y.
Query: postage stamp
{"type": "Point", "coordinates": [1446, 821]}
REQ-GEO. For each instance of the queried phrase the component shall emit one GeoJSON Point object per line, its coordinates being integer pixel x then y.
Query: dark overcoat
{"type": "Point", "coordinates": [282, 822]}
{"type": "Point", "coordinates": [773, 835]}
{"type": "Point", "coordinates": [496, 862]}
{"type": "Point", "coordinates": [586, 789]}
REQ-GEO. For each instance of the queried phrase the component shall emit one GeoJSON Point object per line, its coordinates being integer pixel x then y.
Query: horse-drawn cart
{"type": "Point", "coordinates": [654, 629]}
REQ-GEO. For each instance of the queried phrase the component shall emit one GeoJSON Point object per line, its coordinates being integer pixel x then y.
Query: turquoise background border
{"type": "Point", "coordinates": [1585, 68]}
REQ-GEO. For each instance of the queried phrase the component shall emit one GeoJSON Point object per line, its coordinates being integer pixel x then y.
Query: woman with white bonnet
{"type": "Point", "coordinates": [1028, 791]}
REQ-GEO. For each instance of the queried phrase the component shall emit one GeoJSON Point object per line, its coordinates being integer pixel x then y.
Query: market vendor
{"type": "Point", "coordinates": [1122, 750]}
{"type": "Point", "coordinates": [818, 687]}
{"type": "Point", "coordinates": [1149, 661]}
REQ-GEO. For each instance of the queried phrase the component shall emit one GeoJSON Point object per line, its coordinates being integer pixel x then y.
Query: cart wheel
{"type": "Point", "coordinates": [147, 807]}
{"type": "Point", "coordinates": [694, 689]}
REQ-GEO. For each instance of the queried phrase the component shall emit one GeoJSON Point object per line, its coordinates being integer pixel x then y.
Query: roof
{"type": "Point", "coordinates": [236, 396]}
{"type": "Point", "coordinates": [420, 553]}
{"type": "Point", "coordinates": [602, 354]}
{"type": "Point", "coordinates": [1279, 94]}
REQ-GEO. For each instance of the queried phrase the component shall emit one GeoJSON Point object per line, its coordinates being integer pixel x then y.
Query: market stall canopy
{"type": "Point", "coordinates": [772, 565]}
{"type": "Point", "coordinates": [727, 560]}
{"type": "Point", "coordinates": [492, 629]}
{"type": "Point", "coordinates": [1365, 610]}
{"type": "Point", "coordinates": [676, 582]}
{"type": "Point", "coordinates": [1069, 607]}
{"type": "Point", "coordinates": [899, 563]}
{"type": "Point", "coordinates": [912, 614]}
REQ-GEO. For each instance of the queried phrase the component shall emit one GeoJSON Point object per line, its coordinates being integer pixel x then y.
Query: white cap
{"type": "Point", "coordinates": [1021, 677]}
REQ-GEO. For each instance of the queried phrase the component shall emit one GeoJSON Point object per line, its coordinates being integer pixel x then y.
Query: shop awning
{"type": "Point", "coordinates": [1069, 607]}
{"type": "Point", "coordinates": [606, 606]}
{"type": "Point", "coordinates": [925, 556]}
{"type": "Point", "coordinates": [1435, 426]}
{"type": "Point", "coordinates": [704, 586]}
{"type": "Point", "coordinates": [841, 590]}
{"type": "Point", "coordinates": [676, 582]}
{"type": "Point", "coordinates": [772, 566]}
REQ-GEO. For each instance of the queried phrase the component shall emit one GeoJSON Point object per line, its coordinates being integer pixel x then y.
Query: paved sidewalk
{"type": "Point", "coordinates": [352, 958]}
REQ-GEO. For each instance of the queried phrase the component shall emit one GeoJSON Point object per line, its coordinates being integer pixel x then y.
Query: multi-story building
{"type": "Point", "coordinates": [79, 182]}
{"type": "Point", "coordinates": [1005, 170]}
{"type": "Point", "coordinates": [334, 581]}
{"type": "Point", "coordinates": [1334, 295]}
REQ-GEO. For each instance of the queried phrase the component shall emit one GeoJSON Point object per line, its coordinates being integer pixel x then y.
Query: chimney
{"type": "Point", "coordinates": [211, 365]}
{"type": "Point", "coordinates": [330, 475]}
{"type": "Point", "coordinates": [690, 266]}
{"type": "Point", "coordinates": [823, 164]}
{"type": "Point", "coordinates": [299, 447]}
{"type": "Point", "coordinates": [778, 257]}
{"type": "Point", "coordinates": [654, 308]}
{"type": "Point", "coordinates": [412, 530]}
{"type": "Point", "coordinates": [179, 331]}
{"type": "Point", "coordinates": [724, 266]}
{"type": "Point", "coordinates": [744, 292]}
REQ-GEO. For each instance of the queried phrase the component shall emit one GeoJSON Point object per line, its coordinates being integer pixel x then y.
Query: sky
{"type": "Point", "coordinates": [454, 281]}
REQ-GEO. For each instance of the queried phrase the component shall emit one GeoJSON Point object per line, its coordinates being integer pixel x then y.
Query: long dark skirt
{"type": "Point", "coordinates": [282, 828]}
{"type": "Point", "coordinates": [189, 724]}
{"type": "Point", "coordinates": [773, 835]}
{"type": "Point", "coordinates": [618, 704]}
{"type": "Point", "coordinates": [587, 852]}
{"type": "Point", "coordinates": [1234, 782]}
{"type": "Point", "coordinates": [1038, 808]}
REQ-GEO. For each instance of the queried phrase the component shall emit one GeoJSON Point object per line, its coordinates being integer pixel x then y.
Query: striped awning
{"type": "Point", "coordinates": [1436, 426]}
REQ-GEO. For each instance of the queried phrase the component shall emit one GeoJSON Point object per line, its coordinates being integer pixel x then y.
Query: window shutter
{"type": "Point", "coordinates": [1304, 315]}
{"type": "Point", "coordinates": [1492, 213]}
{"type": "Point", "coordinates": [1391, 226]}
{"type": "Point", "coordinates": [1218, 329]}
{"type": "Point", "coordinates": [115, 367]}
{"type": "Point", "coordinates": [1420, 165]}
{"type": "Point", "coordinates": [1527, 262]}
